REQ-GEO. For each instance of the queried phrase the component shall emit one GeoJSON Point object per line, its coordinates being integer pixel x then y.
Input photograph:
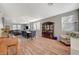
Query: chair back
{"type": "Point", "coordinates": [33, 33]}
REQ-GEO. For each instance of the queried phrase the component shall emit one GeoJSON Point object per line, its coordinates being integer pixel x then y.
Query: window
{"type": "Point", "coordinates": [68, 24]}
{"type": "Point", "coordinates": [19, 27]}
{"type": "Point", "coordinates": [1, 24]}
{"type": "Point", "coordinates": [36, 26]}
{"type": "Point", "coordinates": [16, 27]}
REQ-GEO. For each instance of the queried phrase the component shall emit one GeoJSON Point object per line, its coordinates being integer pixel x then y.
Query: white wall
{"type": "Point", "coordinates": [57, 24]}
{"type": "Point", "coordinates": [74, 46]}
{"type": "Point", "coordinates": [1, 26]}
{"type": "Point", "coordinates": [57, 21]}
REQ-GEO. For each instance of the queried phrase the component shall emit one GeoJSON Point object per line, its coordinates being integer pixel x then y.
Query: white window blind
{"type": "Point", "coordinates": [68, 23]}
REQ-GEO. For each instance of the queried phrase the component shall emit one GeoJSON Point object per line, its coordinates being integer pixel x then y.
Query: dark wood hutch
{"type": "Point", "coordinates": [48, 30]}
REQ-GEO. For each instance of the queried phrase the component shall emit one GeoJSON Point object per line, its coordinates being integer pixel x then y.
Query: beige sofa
{"type": "Point", "coordinates": [65, 39]}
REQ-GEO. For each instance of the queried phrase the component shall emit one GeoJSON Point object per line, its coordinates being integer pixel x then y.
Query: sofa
{"type": "Point", "coordinates": [65, 39]}
{"type": "Point", "coordinates": [15, 32]}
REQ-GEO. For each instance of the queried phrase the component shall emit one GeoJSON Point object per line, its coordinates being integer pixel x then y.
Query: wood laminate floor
{"type": "Point", "coordinates": [43, 46]}
{"type": "Point", "coordinates": [38, 46]}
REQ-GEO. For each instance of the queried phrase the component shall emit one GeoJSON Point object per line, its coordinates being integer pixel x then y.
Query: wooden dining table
{"type": "Point", "coordinates": [8, 46]}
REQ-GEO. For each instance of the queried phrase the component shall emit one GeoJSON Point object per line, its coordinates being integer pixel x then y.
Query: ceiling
{"type": "Point", "coordinates": [28, 12]}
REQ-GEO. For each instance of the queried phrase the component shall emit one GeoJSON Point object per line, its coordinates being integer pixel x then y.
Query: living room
{"type": "Point", "coordinates": [39, 28]}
